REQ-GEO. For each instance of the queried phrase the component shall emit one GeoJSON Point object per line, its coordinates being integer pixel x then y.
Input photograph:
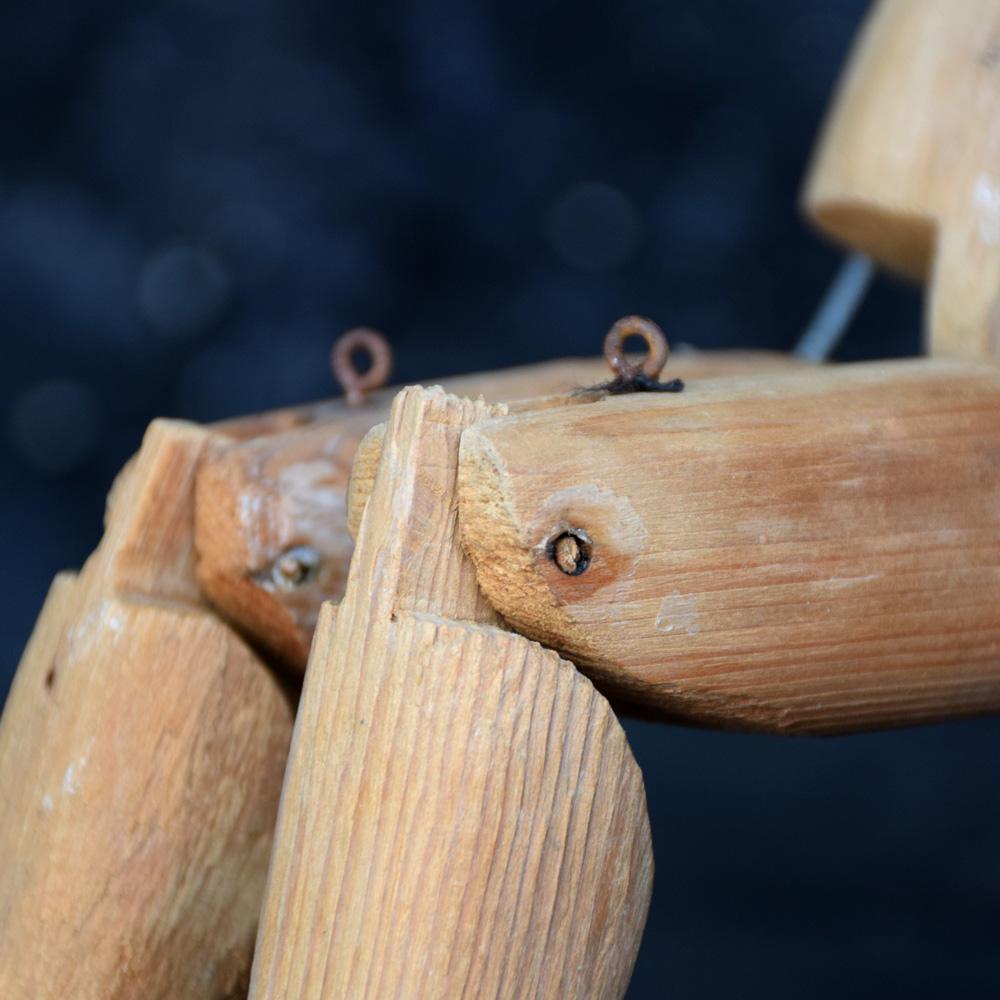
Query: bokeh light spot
{"type": "Point", "coordinates": [182, 290]}
{"type": "Point", "coordinates": [54, 427]}
{"type": "Point", "coordinates": [594, 227]}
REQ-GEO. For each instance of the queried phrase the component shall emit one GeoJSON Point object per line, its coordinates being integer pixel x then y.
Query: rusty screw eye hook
{"type": "Point", "coordinates": [644, 376]}
{"type": "Point", "coordinates": [358, 385]}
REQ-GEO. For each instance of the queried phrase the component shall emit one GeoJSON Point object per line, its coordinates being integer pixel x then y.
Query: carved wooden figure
{"type": "Point", "coordinates": [776, 547]}
{"type": "Point", "coordinates": [143, 743]}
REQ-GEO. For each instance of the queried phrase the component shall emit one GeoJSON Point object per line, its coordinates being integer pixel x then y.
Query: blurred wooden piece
{"type": "Point", "coordinates": [148, 547]}
{"type": "Point", "coordinates": [267, 499]}
{"type": "Point", "coordinates": [816, 552]}
{"type": "Point", "coordinates": [265, 505]}
{"type": "Point", "coordinates": [461, 814]}
{"type": "Point", "coordinates": [908, 166]}
{"type": "Point", "coordinates": [141, 754]}
{"type": "Point", "coordinates": [28, 723]}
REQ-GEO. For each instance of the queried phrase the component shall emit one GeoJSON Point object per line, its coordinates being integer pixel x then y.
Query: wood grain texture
{"type": "Point", "coordinates": [461, 814]}
{"type": "Point", "coordinates": [800, 553]}
{"type": "Point", "coordinates": [561, 376]}
{"type": "Point", "coordinates": [256, 501]}
{"type": "Point", "coordinates": [260, 498]}
{"type": "Point", "coordinates": [908, 166]}
{"type": "Point", "coordinates": [141, 754]}
{"type": "Point", "coordinates": [362, 481]}
{"type": "Point", "coordinates": [148, 549]}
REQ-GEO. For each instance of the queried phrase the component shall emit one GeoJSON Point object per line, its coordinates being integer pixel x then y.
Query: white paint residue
{"type": "Point", "coordinates": [74, 773]}
{"type": "Point", "coordinates": [248, 509]}
{"type": "Point", "coordinates": [71, 781]}
{"type": "Point", "coordinates": [315, 485]}
{"type": "Point", "coordinates": [679, 613]}
{"type": "Point", "coordinates": [91, 632]}
{"type": "Point", "coordinates": [314, 505]}
{"type": "Point", "coordinates": [255, 519]}
{"type": "Point", "coordinates": [72, 778]}
{"type": "Point", "coordinates": [986, 205]}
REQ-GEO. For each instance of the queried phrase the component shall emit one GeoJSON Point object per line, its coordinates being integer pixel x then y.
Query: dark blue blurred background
{"type": "Point", "coordinates": [196, 198]}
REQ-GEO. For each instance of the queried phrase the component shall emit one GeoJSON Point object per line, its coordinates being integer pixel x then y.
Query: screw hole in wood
{"type": "Point", "coordinates": [571, 551]}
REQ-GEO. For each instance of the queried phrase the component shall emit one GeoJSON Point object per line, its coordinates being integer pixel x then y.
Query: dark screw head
{"type": "Point", "coordinates": [295, 567]}
{"type": "Point", "coordinates": [570, 551]}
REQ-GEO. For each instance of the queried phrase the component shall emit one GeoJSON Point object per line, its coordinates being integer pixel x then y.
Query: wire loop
{"type": "Point", "coordinates": [614, 349]}
{"type": "Point", "coordinates": [357, 385]}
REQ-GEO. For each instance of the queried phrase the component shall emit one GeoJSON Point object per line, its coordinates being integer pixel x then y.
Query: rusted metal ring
{"type": "Point", "coordinates": [357, 385]}
{"type": "Point", "coordinates": [636, 326]}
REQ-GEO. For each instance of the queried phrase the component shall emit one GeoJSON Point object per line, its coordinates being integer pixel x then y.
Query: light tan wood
{"type": "Point", "coordinates": [259, 500]}
{"type": "Point", "coordinates": [563, 375]}
{"type": "Point", "coordinates": [27, 723]}
{"type": "Point", "coordinates": [802, 553]}
{"type": "Point", "coordinates": [362, 481]}
{"type": "Point", "coordinates": [141, 754]}
{"type": "Point", "coordinates": [461, 814]}
{"type": "Point", "coordinates": [148, 548]}
{"type": "Point", "coordinates": [908, 166]}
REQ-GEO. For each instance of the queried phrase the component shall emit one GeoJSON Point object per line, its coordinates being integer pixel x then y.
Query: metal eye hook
{"type": "Point", "coordinates": [614, 349]}
{"type": "Point", "coordinates": [357, 385]}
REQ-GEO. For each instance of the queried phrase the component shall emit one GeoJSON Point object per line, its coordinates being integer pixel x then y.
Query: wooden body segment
{"type": "Point", "coordinates": [908, 166]}
{"type": "Point", "coordinates": [141, 753]}
{"type": "Point", "coordinates": [558, 377]}
{"type": "Point", "coordinates": [258, 498]}
{"type": "Point", "coordinates": [461, 814]}
{"type": "Point", "coordinates": [801, 553]}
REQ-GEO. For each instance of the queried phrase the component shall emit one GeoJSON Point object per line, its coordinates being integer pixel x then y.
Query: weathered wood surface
{"type": "Point", "coordinates": [805, 553]}
{"type": "Point", "coordinates": [148, 547]}
{"type": "Point", "coordinates": [908, 167]}
{"type": "Point", "coordinates": [265, 505]}
{"type": "Point", "coordinates": [269, 499]}
{"type": "Point", "coordinates": [142, 748]}
{"type": "Point", "coordinates": [461, 814]}
{"type": "Point", "coordinates": [561, 376]}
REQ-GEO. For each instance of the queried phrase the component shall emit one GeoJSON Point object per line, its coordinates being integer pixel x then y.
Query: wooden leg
{"type": "Point", "coordinates": [141, 754]}
{"type": "Point", "coordinates": [461, 814]}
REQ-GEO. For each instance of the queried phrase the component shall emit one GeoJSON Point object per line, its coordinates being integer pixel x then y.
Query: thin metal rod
{"type": "Point", "coordinates": [837, 309]}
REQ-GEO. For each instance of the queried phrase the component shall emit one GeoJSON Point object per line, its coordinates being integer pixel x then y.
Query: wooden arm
{"type": "Point", "coordinates": [801, 553]}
